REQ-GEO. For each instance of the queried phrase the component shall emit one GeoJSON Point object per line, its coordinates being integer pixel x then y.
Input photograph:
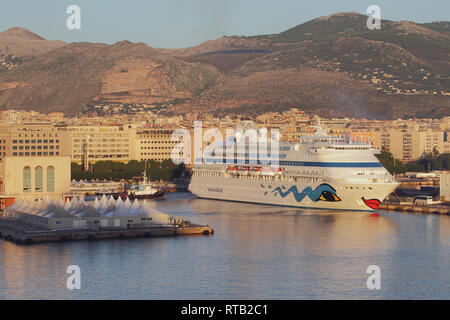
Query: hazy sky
{"type": "Point", "coordinates": [183, 23]}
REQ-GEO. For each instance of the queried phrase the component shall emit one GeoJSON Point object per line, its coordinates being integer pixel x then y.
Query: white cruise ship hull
{"type": "Point", "coordinates": [349, 195]}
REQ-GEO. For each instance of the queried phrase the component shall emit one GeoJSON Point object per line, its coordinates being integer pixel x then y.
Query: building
{"type": "Point", "coordinates": [409, 143]}
{"type": "Point", "coordinates": [153, 144]}
{"type": "Point", "coordinates": [82, 188]}
{"type": "Point", "coordinates": [33, 140]}
{"type": "Point", "coordinates": [444, 186]}
{"type": "Point", "coordinates": [75, 214]}
{"type": "Point", "coordinates": [97, 143]}
{"type": "Point", "coordinates": [34, 177]}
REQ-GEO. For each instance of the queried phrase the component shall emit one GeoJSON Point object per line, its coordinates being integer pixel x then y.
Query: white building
{"type": "Point", "coordinates": [75, 214]}
{"type": "Point", "coordinates": [445, 186]}
{"type": "Point", "coordinates": [35, 177]}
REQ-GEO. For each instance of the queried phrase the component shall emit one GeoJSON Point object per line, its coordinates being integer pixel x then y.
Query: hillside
{"type": "Point", "coordinates": [21, 42]}
{"type": "Point", "coordinates": [332, 65]}
{"type": "Point", "coordinates": [68, 77]}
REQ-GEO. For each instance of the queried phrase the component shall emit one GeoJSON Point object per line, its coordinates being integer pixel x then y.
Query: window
{"type": "Point", "coordinates": [38, 187]}
{"type": "Point", "coordinates": [26, 179]}
{"type": "Point", "coordinates": [50, 179]}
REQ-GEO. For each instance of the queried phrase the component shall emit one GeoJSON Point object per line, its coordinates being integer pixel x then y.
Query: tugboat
{"type": "Point", "coordinates": [142, 189]}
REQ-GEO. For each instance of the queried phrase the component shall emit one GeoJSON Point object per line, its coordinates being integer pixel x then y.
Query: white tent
{"type": "Point", "coordinates": [74, 213]}
{"type": "Point", "coordinates": [120, 211]}
{"type": "Point", "coordinates": [96, 203]}
{"type": "Point", "coordinates": [59, 213]}
{"type": "Point", "coordinates": [135, 206]}
{"type": "Point", "coordinates": [67, 206]}
{"type": "Point", "coordinates": [88, 212]}
{"type": "Point", "coordinates": [119, 202]}
{"type": "Point", "coordinates": [127, 203]}
{"type": "Point", "coordinates": [103, 201]}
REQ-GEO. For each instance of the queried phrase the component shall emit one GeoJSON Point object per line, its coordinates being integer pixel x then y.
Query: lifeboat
{"type": "Point", "coordinates": [271, 171]}
{"type": "Point", "coordinates": [232, 169]}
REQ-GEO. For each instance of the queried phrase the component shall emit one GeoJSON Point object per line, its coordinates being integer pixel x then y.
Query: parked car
{"type": "Point", "coordinates": [423, 200]}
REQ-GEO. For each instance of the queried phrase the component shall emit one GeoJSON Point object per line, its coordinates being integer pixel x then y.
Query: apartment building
{"type": "Point", "coordinates": [409, 143]}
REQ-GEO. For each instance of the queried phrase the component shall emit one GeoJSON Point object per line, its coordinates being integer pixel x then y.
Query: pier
{"type": "Point", "coordinates": [410, 208]}
{"type": "Point", "coordinates": [21, 233]}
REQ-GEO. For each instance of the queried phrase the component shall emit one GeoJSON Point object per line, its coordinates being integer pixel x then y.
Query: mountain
{"type": "Point", "coordinates": [332, 65]}
{"type": "Point", "coordinates": [440, 26]}
{"type": "Point", "coordinates": [21, 42]}
{"type": "Point", "coordinates": [66, 78]}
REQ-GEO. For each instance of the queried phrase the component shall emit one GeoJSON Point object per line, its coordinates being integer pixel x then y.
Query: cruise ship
{"type": "Point", "coordinates": [320, 171]}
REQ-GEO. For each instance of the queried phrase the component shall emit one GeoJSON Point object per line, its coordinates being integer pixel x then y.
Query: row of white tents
{"type": "Point", "coordinates": [75, 213]}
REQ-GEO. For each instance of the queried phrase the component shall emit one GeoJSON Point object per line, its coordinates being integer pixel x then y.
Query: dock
{"type": "Point", "coordinates": [410, 208]}
{"type": "Point", "coordinates": [21, 233]}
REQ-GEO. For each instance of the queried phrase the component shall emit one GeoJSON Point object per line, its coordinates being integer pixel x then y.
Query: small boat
{"type": "Point", "coordinates": [142, 189]}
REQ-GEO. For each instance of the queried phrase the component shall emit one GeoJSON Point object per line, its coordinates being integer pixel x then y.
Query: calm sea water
{"type": "Point", "coordinates": [257, 252]}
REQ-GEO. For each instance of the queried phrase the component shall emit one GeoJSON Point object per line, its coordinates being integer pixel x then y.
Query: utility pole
{"type": "Point", "coordinates": [86, 154]}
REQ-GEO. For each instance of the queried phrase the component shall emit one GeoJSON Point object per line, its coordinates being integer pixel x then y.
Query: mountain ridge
{"type": "Point", "coordinates": [332, 65]}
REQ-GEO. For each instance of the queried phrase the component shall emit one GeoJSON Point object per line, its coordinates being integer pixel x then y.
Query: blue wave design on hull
{"type": "Point", "coordinates": [314, 195]}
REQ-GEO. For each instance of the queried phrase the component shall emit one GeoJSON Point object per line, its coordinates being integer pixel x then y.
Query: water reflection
{"type": "Point", "coordinates": [257, 252]}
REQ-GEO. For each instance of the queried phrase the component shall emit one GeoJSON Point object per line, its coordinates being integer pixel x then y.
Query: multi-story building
{"type": "Point", "coordinates": [34, 161]}
{"type": "Point", "coordinates": [409, 143]}
{"type": "Point", "coordinates": [33, 140]}
{"type": "Point", "coordinates": [97, 143]}
{"type": "Point", "coordinates": [153, 144]}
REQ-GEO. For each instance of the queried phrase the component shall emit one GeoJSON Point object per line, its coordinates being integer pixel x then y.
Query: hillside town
{"type": "Point", "coordinates": [145, 134]}
{"type": "Point", "coordinates": [60, 144]}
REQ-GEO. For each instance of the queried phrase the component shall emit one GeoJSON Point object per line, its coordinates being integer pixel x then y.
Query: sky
{"type": "Point", "coordinates": [185, 23]}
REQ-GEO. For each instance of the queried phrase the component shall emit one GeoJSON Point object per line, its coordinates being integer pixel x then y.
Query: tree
{"type": "Point", "coordinates": [414, 167]}
{"type": "Point", "coordinates": [116, 170]}
{"type": "Point", "coordinates": [435, 161]}
{"type": "Point", "coordinates": [392, 165]}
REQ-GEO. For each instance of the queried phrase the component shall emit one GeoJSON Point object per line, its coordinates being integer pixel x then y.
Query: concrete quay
{"type": "Point", "coordinates": [20, 233]}
{"type": "Point", "coordinates": [443, 210]}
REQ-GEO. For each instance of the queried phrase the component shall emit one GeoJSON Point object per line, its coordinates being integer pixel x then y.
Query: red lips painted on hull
{"type": "Point", "coordinates": [372, 203]}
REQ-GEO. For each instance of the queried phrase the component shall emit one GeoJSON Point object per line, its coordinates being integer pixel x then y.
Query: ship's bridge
{"type": "Point", "coordinates": [321, 141]}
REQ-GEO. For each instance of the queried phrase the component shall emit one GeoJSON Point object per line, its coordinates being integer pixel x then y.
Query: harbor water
{"type": "Point", "coordinates": [257, 252]}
